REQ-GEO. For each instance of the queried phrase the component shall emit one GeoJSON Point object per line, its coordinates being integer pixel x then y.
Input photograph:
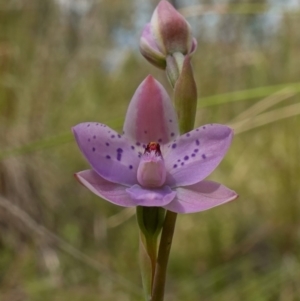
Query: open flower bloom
{"type": "Point", "coordinates": [168, 32]}
{"type": "Point", "coordinates": [150, 164]}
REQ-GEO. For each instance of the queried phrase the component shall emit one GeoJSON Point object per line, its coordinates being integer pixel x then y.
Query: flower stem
{"type": "Point", "coordinates": [147, 256]}
{"type": "Point", "coordinates": [163, 256]}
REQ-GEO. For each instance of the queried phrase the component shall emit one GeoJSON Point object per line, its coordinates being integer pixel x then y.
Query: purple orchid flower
{"type": "Point", "coordinates": [168, 32]}
{"type": "Point", "coordinates": [150, 164]}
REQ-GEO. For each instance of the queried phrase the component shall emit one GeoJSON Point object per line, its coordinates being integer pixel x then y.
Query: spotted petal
{"type": "Point", "coordinates": [193, 156]}
{"type": "Point", "coordinates": [114, 193]}
{"type": "Point", "coordinates": [151, 115]}
{"type": "Point", "coordinates": [109, 154]}
{"type": "Point", "coordinates": [151, 197]}
{"type": "Point", "coordinates": [199, 197]}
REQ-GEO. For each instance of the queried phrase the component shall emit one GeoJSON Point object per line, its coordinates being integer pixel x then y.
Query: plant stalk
{"type": "Point", "coordinates": [158, 287]}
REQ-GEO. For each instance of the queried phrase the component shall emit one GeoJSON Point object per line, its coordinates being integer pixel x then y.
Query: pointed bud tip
{"type": "Point", "coordinates": [164, 4]}
{"type": "Point", "coordinates": [151, 83]}
{"type": "Point", "coordinates": [149, 78]}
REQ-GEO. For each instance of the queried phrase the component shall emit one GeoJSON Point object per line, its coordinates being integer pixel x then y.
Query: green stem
{"type": "Point", "coordinates": [163, 256]}
{"type": "Point", "coordinates": [151, 248]}
{"type": "Point", "coordinates": [147, 256]}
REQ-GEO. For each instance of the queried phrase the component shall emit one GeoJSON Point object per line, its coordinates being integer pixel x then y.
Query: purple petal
{"type": "Point", "coordinates": [109, 153]}
{"type": "Point", "coordinates": [151, 197]}
{"type": "Point", "coordinates": [193, 156]}
{"type": "Point", "coordinates": [151, 115]}
{"type": "Point", "coordinates": [201, 196]}
{"type": "Point", "coordinates": [114, 193]}
{"type": "Point", "coordinates": [149, 48]}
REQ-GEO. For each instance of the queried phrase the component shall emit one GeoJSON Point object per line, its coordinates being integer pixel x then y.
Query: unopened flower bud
{"type": "Point", "coordinates": [167, 33]}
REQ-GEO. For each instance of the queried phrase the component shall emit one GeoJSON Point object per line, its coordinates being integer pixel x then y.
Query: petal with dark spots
{"type": "Point", "coordinates": [108, 155]}
{"type": "Point", "coordinates": [214, 141]}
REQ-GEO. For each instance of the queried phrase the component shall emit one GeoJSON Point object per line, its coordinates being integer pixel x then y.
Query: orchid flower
{"type": "Point", "coordinates": [150, 164]}
{"type": "Point", "coordinates": [167, 33]}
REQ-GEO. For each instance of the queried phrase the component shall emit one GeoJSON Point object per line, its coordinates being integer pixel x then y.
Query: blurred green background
{"type": "Point", "coordinates": [65, 62]}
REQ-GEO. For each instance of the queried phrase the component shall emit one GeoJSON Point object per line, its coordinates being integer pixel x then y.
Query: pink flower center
{"type": "Point", "coordinates": [151, 172]}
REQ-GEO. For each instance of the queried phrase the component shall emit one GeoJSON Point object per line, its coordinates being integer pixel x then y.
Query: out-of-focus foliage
{"type": "Point", "coordinates": [63, 65]}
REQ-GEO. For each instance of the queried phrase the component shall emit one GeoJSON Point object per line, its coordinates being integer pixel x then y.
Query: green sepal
{"type": "Point", "coordinates": [150, 221]}
{"type": "Point", "coordinates": [185, 97]}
